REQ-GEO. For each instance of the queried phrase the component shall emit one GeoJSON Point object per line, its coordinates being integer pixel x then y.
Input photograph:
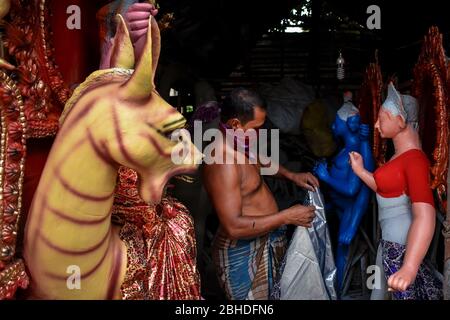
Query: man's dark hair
{"type": "Point", "coordinates": [240, 104]}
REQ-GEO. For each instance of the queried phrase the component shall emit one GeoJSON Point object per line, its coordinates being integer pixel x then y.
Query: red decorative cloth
{"type": "Point", "coordinates": [161, 245]}
{"type": "Point", "coordinates": [408, 174]}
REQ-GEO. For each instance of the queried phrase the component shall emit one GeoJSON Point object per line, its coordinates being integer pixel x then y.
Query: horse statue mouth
{"type": "Point", "coordinates": [152, 182]}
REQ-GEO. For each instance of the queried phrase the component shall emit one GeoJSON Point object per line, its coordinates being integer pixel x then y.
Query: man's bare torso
{"type": "Point", "coordinates": [257, 199]}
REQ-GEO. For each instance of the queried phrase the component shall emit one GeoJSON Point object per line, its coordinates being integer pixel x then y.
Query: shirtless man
{"type": "Point", "coordinates": [249, 243]}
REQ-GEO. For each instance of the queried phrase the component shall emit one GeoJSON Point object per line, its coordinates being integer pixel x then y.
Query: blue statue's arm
{"type": "Point", "coordinates": [353, 183]}
{"type": "Point", "coordinates": [366, 153]}
{"type": "Point", "coordinates": [365, 148]}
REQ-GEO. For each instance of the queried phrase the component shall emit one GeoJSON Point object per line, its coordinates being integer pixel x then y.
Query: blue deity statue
{"type": "Point", "coordinates": [349, 195]}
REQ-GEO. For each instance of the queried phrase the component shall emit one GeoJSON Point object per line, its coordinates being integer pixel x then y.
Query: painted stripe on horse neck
{"type": "Point", "coordinates": [84, 274]}
{"type": "Point", "coordinates": [95, 247]}
{"type": "Point", "coordinates": [80, 194]}
{"type": "Point", "coordinates": [69, 218]}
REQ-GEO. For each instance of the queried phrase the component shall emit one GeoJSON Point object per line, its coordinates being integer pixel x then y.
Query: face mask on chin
{"type": "Point", "coordinates": [240, 143]}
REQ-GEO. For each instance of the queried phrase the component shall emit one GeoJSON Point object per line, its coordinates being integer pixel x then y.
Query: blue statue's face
{"type": "Point", "coordinates": [342, 128]}
{"type": "Point", "coordinates": [339, 127]}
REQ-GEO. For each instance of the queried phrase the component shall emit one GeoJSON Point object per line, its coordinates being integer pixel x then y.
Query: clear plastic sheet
{"type": "Point", "coordinates": [308, 271]}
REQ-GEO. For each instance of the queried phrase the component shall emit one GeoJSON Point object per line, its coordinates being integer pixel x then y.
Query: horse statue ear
{"type": "Point", "coordinates": [122, 55]}
{"type": "Point", "coordinates": [156, 47]}
{"type": "Point", "coordinates": [141, 84]}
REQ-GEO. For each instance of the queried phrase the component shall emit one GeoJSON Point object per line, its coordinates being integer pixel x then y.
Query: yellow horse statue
{"type": "Point", "coordinates": [115, 118]}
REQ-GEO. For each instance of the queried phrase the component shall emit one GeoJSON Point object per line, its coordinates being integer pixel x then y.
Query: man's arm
{"type": "Point", "coordinates": [304, 180]}
{"type": "Point", "coordinates": [222, 183]}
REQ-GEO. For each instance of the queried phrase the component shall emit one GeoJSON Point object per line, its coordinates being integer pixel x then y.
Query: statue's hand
{"type": "Point", "coordinates": [357, 162]}
{"type": "Point", "coordinates": [402, 279]}
{"type": "Point", "coordinates": [364, 132]}
{"type": "Point", "coordinates": [321, 171]}
{"type": "Point", "coordinates": [136, 18]}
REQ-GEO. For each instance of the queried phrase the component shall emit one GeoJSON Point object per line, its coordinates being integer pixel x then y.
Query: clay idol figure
{"type": "Point", "coordinates": [114, 119]}
{"type": "Point", "coordinates": [405, 203]}
{"type": "Point", "coordinates": [350, 197]}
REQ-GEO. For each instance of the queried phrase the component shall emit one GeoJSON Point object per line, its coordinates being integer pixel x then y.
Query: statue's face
{"type": "Point", "coordinates": [342, 128]}
{"type": "Point", "coordinates": [143, 142]}
{"type": "Point", "coordinates": [132, 124]}
{"type": "Point", "coordinates": [389, 125]}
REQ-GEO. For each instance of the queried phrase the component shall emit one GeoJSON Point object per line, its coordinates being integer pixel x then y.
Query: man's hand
{"type": "Point", "coordinates": [300, 215]}
{"type": "Point", "coordinates": [402, 279]}
{"type": "Point", "coordinates": [305, 180]}
{"type": "Point", "coordinates": [136, 18]}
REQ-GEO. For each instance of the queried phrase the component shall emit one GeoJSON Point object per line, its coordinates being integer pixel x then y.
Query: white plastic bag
{"type": "Point", "coordinates": [309, 269]}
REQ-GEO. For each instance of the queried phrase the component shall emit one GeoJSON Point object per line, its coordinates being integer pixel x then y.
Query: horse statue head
{"type": "Point", "coordinates": [134, 126]}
